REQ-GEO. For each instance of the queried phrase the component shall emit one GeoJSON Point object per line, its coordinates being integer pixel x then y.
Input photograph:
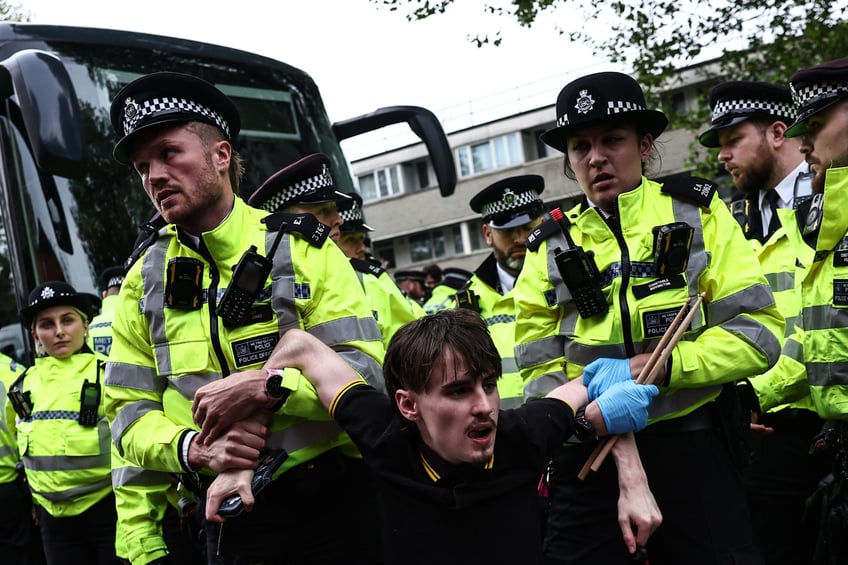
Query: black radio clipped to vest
{"type": "Point", "coordinates": [580, 274]}
{"type": "Point", "coordinates": [249, 278]}
{"type": "Point", "coordinates": [671, 247]}
{"type": "Point", "coordinates": [90, 400]}
{"type": "Point", "coordinates": [21, 400]}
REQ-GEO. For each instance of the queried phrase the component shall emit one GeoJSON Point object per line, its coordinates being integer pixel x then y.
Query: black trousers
{"type": "Point", "coordinates": [324, 512]}
{"type": "Point", "coordinates": [20, 541]}
{"type": "Point", "coordinates": [696, 485]}
{"type": "Point", "coordinates": [86, 538]}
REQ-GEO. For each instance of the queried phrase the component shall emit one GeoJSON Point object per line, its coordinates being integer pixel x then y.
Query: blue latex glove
{"type": "Point", "coordinates": [624, 406]}
{"type": "Point", "coordinates": [602, 373]}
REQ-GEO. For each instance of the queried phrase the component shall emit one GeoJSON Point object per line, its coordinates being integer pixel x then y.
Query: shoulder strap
{"type": "Point", "coordinates": [367, 267]}
{"type": "Point", "coordinates": [692, 189]}
{"type": "Point", "coordinates": [305, 224]}
{"type": "Point", "coordinates": [148, 234]}
{"type": "Point", "coordinates": [541, 233]}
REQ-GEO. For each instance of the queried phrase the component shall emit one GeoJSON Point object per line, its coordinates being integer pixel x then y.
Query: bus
{"type": "Point", "coordinates": [69, 210]}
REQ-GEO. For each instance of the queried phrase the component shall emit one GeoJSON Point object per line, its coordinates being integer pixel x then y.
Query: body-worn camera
{"type": "Point", "coordinates": [580, 274]}
{"type": "Point", "coordinates": [466, 298]}
{"type": "Point", "coordinates": [21, 403]}
{"type": "Point", "coordinates": [183, 283]}
{"type": "Point", "coordinates": [249, 278]}
{"type": "Point", "coordinates": [671, 247]}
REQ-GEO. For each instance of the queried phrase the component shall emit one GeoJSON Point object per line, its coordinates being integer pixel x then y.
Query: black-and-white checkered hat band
{"type": "Point", "coordinates": [317, 183]}
{"type": "Point", "coordinates": [510, 202]}
{"type": "Point", "coordinates": [613, 107]}
{"type": "Point", "coordinates": [135, 114]}
{"type": "Point", "coordinates": [814, 93]}
{"type": "Point", "coordinates": [353, 215]}
{"type": "Point", "coordinates": [745, 107]}
{"type": "Point", "coordinates": [115, 281]}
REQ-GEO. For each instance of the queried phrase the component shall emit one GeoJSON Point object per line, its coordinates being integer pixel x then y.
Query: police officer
{"type": "Point", "coordinates": [201, 310]}
{"type": "Point", "coordinates": [821, 96]}
{"type": "Point", "coordinates": [100, 328]}
{"type": "Point", "coordinates": [600, 286]}
{"type": "Point", "coordinates": [511, 208]}
{"type": "Point", "coordinates": [443, 294]}
{"type": "Point", "coordinates": [749, 120]}
{"type": "Point", "coordinates": [411, 283]}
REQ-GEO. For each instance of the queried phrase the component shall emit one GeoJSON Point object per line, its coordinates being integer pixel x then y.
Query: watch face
{"type": "Point", "coordinates": [273, 386]}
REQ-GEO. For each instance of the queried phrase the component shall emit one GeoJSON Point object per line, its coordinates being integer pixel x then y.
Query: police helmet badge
{"type": "Point", "coordinates": [585, 103]}
{"type": "Point", "coordinates": [508, 197]}
{"type": "Point", "coordinates": [130, 108]}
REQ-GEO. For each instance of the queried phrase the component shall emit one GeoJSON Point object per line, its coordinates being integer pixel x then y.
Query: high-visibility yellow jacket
{"type": "Point", "coordinates": [735, 333]}
{"type": "Point", "coordinates": [442, 298]}
{"type": "Point", "coordinates": [67, 464]}
{"type": "Point", "coordinates": [9, 371]}
{"type": "Point", "coordinates": [391, 309]}
{"type": "Point", "coordinates": [161, 355]}
{"type": "Point", "coordinates": [100, 327]}
{"type": "Point", "coordinates": [141, 498]}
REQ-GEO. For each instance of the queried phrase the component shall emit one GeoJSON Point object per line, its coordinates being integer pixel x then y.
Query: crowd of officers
{"type": "Point", "coordinates": [746, 448]}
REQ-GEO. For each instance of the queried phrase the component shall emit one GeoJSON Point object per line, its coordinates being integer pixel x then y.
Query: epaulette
{"type": "Point", "coordinates": [307, 225]}
{"type": "Point", "coordinates": [542, 232]}
{"type": "Point", "coordinates": [148, 234]}
{"type": "Point", "coordinates": [367, 267]}
{"type": "Point", "coordinates": [694, 189]}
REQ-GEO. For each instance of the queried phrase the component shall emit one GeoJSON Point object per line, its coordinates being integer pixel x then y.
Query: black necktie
{"type": "Point", "coordinates": [771, 197]}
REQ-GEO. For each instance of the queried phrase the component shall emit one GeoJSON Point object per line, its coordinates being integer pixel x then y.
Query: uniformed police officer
{"type": "Point", "coordinates": [411, 282]}
{"type": "Point", "coordinates": [100, 328]}
{"type": "Point", "coordinates": [511, 208]}
{"type": "Point", "coordinates": [201, 310]}
{"type": "Point", "coordinates": [442, 296]}
{"type": "Point", "coordinates": [749, 120]}
{"type": "Point", "coordinates": [600, 286]}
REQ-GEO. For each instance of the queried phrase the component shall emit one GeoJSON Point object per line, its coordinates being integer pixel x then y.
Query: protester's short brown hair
{"type": "Point", "coordinates": [419, 347]}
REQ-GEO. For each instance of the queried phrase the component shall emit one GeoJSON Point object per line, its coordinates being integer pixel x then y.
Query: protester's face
{"type": "Point", "coordinates": [747, 156]}
{"type": "Point", "coordinates": [353, 245]}
{"type": "Point", "coordinates": [607, 161]}
{"type": "Point", "coordinates": [326, 212]}
{"type": "Point", "coordinates": [825, 145]}
{"type": "Point", "coordinates": [510, 245]}
{"type": "Point", "coordinates": [457, 413]}
{"type": "Point", "coordinates": [185, 179]}
{"type": "Point", "coordinates": [60, 330]}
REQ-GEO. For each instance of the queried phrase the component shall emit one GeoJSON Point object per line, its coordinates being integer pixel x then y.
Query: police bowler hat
{"type": "Point", "coordinates": [510, 202]}
{"type": "Point", "coordinates": [352, 215]}
{"type": "Point", "coordinates": [409, 275]}
{"type": "Point", "coordinates": [599, 97]}
{"type": "Point", "coordinates": [734, 102]}
{"type": "Point", "coordinates": [306, 181]}
{"type": "Point", "coordinates": [58, 293]}
{"type": "Point", "coordinates": [168, 98]}
{"type": "Point", "coordinates": [815, 89]}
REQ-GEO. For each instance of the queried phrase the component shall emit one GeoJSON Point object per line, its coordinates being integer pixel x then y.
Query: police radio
{"type": "Point", "coordinates": [671, 247]}
{"type": "Point", "coordinates": [580, 274]}
{"type": "Point", "coordinates": [249, 278]}
{"type": "Point", "coordinates": [90, 400]}
{"type": "Point", "coordinates": [21, 400]}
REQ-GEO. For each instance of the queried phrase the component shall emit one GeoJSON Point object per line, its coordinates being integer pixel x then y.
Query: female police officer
{"type": "Point", "coordinates": [599, 288]}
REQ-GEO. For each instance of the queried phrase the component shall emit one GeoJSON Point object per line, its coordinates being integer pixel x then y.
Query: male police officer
{"type": "Point", "coordinates": [100, 328]}
{"type": "Point", "coordinates": [748, 124]}
{"type": "Point", "coordinates": [442, 295]}
{"type": "Point", "coordinates": [511, 209]}
{"type": "Point", "coordinates": [201, 310]}
{"type": "Point", "coordinates": [411, 282]}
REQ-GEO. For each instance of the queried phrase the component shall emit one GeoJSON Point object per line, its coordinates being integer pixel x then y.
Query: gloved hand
{"type": "Point", "coordinates": [602, 373]}
{"type": "Point", "coordinates": [624, 406]}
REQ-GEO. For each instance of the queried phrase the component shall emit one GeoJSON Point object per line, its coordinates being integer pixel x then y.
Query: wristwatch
{"type": "Point", "coordinates": [274, 390]}
{"type": "Point", "coordinates": [583, 429]}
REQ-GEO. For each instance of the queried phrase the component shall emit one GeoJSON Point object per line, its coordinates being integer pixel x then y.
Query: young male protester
{"type": "Point", "coordinates": [457, 475]}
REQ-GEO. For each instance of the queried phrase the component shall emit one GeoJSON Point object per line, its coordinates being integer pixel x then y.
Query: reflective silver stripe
{"type": "Point", "coordinates": [544, 384]}
{"type": "Point", "coordinates": [187, 385]}
{"type": "Point", "coordinates": [128, 415]}
{"type": "Point", "coordinates": [153, 282]}
{"type": "Point", "coordinates": [136, 377]}
{"type": "Point", "coordinates": [698, 257]}
{"type": "Point", "coordinates": [66, 462]}
{"type": "Point", "coordinates": [791, 322]}
{"type": "Point", "coordinates": [510, 403]}
{"type": "Point", "coordinates": [825, 317]}
{"type": "Point", "coordinates": [303, 434]}
{"type": "Point", "coordinates": [508, 365]}
{"type": "Point", "coordinates": [282, 283]}
{"type": "Point", "coordinates": [794, 350]}
{"type": "Point", "coordinates": [781, 281]}
{"type": "Point", "coordinates": [76, 492]}
{"type": "Point", "coordinates": [6, 450]}
{"type": "Point", "coordinates": [537, 352]}
{"type": "Point", "coordinates": [827, 374]}
{"type": "Point", "coordinates": [756, 333]}
{"type": "Point", "coordinates": [752, 299]}
{"type": "Point", "coordinates": [681, 399]}
{"type": "Point", "coordinates": [136, 476]}
{"type": "Point", "coordinates": [583, 354]}
{"type": "Point", "coordinates": [347, 329]}
{"type": "Point", "coordinates": [364, 364]}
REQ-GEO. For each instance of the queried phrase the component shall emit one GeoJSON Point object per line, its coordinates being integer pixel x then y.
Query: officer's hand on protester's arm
{"type": "Point", "coordinates": [218, 405]}
{"type": "Point", "coordinates": [237, 448]}
{"type": "Point", "coordinates": [234, 481]}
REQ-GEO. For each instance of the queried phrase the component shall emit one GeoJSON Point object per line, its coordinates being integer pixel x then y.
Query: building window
{"type": "Point", "coordinates": [385, 253]}
{"type": "Point", "coordinates": [380, 184]}
{"type": "Point", "coordinates": [495, 153]}
{"type": "Point", "coordinates": [475, 235]}
{"type": "Point", "coordinates": [426, 245]}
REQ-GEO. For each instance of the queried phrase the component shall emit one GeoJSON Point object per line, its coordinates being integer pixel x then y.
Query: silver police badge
{"type": "Point", "coordinates": [585, 103]}
{"type": "Point", "coordinates": [508, 197]}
